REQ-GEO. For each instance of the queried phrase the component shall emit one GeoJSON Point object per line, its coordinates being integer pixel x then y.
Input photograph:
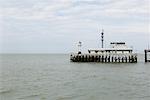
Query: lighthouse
{"type": "Point", "coordinates": [79, 47]}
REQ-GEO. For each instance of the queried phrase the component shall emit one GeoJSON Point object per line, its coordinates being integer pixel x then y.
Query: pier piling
{"type": "Point", "coordinates": [146, 54]}
{"type": "Point", "coordinates": [104, 58]}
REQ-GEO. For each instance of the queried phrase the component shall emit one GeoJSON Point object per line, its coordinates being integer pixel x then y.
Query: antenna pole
{"type": "Point", "coordinates": [102, 38]}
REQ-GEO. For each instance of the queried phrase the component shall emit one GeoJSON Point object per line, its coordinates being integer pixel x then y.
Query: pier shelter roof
{"type": "Point", "coordinates": [110, 49]}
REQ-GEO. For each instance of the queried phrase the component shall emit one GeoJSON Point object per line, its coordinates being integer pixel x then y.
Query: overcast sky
{"type": "Point", "coordinates": [56, 26]}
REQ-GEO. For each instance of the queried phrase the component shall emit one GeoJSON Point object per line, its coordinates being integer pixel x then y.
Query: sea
{"type": "Point", "coordinates": [54, 77]}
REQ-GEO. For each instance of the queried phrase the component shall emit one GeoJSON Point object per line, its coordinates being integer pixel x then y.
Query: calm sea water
{"type": "Point", "coordinates": [54, 77]}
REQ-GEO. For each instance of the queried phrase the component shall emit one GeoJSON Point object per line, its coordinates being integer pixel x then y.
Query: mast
{"type": "Point", "coordinates": [102, 38]}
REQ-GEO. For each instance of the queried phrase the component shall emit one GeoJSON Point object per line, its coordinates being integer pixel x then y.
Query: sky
{"type": "Point", "coordinates": [56, 26]}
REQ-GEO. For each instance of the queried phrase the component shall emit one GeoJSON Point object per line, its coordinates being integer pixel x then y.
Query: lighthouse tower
{"type": "Point", "coordinates": [79, 47]}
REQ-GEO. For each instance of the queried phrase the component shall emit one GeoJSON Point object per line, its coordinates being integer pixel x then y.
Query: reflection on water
{"type": "Point", "coordinates": [54, 77]}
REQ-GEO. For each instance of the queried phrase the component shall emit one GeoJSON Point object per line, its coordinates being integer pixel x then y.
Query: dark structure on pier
{"type": "Point", "coordinates": [146, 55]}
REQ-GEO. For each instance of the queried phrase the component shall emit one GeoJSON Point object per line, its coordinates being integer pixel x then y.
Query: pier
{"type": "Point", "coordinates": [146, 55]}
{"type": "Point", "coordinates": [119, 52]}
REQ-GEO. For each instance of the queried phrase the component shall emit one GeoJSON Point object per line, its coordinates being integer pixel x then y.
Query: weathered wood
{"type": "Point", "coordinates": [103, 58]}
{"type": "Point", "coordinates": [146, 54]}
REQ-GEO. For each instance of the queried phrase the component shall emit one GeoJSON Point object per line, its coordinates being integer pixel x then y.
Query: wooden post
{"type": "Point", "coordinates": [105, 58]}
{"type": "Point", "coordinates": [129, 59]}
{"type": "Point", "coordinates": [135, 58]}
{"type": "Point", "coordinates": [79, 58]}
{"type": "Point", "coordinates": [92, 58]}
{"type": "Point", "coordinates": [96, 58]}
{"type": "Point", "coordinates": [99, 58]}
{"type": "Point", "coordinates": [109, 59]}
{"type": "Point", "coordinates": [122, 59]}
{"type": "Point", "coordinates": [145, 55]}
{"type": "Point", "coordinates": [126, 59]}
{"type": "Point", "coordinates": [112, 59]}
{"type": "Point", "coordinates": [115, 59]}
{"type": "Point", "coordinates": [119, 59]}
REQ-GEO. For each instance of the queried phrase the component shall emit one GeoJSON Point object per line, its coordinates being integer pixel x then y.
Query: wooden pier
{"type": "Point", "coordinates": [146, 55]}
{"type": "Point", "coordinates": [118, 53]}
{"type": "Point", "coordinates": [104, 58]}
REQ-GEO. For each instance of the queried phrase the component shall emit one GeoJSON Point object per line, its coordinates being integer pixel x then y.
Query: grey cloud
{"type": "Point", "coordinates": [58, 24]}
